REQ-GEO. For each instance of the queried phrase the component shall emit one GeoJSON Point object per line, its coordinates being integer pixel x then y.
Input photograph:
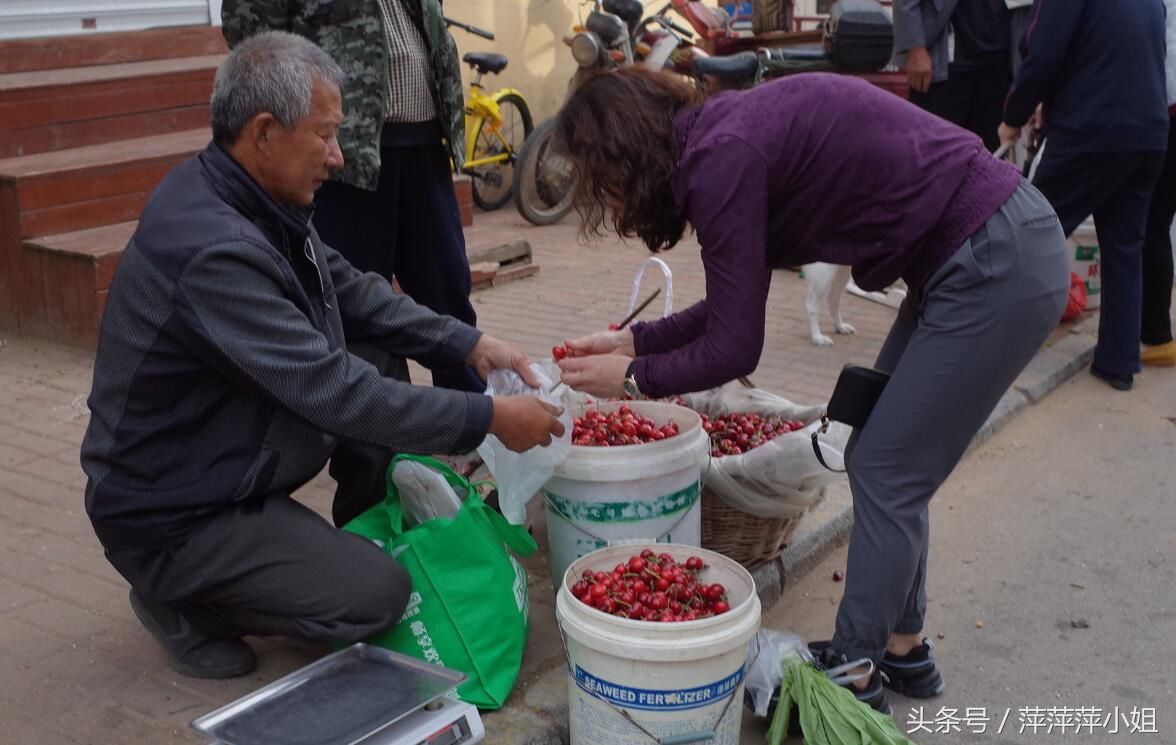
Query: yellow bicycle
{"type": "Point", "coordinates": [497, 123]}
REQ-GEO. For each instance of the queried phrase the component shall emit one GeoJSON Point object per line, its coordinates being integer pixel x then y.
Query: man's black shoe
{"type": "Point", "coordinates": [1118, 382]}
{"type": "Point", "coordinates": [913, 674]}
{"type": "Point", "coordinates": [189, 652]}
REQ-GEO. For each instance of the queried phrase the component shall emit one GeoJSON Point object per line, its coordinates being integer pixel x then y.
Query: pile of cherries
{"type": "Point", "coordinates": [621, 427]}
{"type": "Point", "coordinates": [734, 434]}
{"type": "Point", "coordinates": [651, 587]}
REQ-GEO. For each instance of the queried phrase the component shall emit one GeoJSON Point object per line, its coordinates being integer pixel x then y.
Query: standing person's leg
{"type": "Point", "coordinates": [431, 263]}
{"type": "Point", "coordinates": [986, 313]}
{"type": "Point", "coordinates": [269, 567]}
{"type": "Point", "coordinates": [949, 99]}
{"type": "Point", "coordinates": [360, 225]}
{"type": "Point", "coordinates": [1121, 223]}
{"type": "Point", "coordinates": [1156, 327]}
{"type": "Point", "coordinates": [988, 88]}
{"type": "Point", "coordinates": [1080, 185]}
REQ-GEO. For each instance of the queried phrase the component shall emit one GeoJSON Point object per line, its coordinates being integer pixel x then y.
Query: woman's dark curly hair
{"type": "Point", "coordinates": [618, 131]}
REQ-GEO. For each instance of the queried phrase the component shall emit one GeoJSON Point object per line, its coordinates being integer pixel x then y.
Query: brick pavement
{"type": "Point", "coordinates": [76, 667]}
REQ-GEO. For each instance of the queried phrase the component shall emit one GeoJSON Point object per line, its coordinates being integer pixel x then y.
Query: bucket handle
{"type": "Point", "coordinates": [685, 739]}
{"type": "Point", "coordinates": [622, 541]}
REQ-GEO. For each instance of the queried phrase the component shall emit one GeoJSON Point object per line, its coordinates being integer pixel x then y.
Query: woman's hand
{"type": "Point", "coordinates": [600, 375]}
{"type": "Point", "coordinates": [603, 342]}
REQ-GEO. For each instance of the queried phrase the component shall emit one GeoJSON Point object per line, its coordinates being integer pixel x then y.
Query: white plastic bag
{"type": "Point", "coordinates": [765, 670]}
{"type": "Point", "coordinates": [781, 478]}
{"type": "Point", "coordinates": [520, 475]}
{"type": "Point", "coordinates": [424, 493]}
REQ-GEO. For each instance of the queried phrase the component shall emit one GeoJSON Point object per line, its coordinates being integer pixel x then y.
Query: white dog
{"type": "Point", "coordinates": [825, 282]}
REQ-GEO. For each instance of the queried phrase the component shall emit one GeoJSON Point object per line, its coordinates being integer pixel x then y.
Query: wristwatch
{"type": "Point", "coordinates": [629, 386]}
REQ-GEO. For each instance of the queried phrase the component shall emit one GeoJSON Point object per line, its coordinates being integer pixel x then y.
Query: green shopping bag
{"type": "Point", "coordinates": [468, 608]}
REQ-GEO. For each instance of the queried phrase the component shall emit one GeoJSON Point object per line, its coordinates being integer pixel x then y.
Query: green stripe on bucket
{"type": "Point", "coordinates": [625, 512]}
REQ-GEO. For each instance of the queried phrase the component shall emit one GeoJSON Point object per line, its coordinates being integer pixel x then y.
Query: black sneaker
{"type": "Point", "coordinates": [1118, 382]}
{"type": "Point", "coordinates": [914, 674]}
{"type": "Point", "coordinates": [837, 666]}
{"type": "Point", "coordinates": [189, 652]}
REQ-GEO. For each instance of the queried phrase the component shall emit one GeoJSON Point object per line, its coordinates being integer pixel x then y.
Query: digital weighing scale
{"type": "Point", "coordinates": [361, 694]}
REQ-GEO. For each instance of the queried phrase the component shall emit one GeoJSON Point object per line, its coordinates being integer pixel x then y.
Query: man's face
{"type": "Point", "coordinates": [299, 159]}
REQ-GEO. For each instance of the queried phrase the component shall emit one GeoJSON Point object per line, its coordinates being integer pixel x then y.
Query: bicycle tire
{"type": "Point", "coordinates": [543, 191]}
{"type": "Point", "coordinates": [490, 199]}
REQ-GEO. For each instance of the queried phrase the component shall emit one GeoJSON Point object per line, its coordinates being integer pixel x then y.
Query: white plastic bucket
{"type": "Point", "coordinates": [604, 495]}
{"type": "Point", "coordinates": [673, 679]}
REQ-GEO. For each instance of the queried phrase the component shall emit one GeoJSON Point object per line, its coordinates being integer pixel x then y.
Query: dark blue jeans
{"type": "Point", "coordinates": [1157, 255]}
{"type": "Point", "coordinates": [410, 229]}
{"type": "Point", "coordinates": [1116, 188]}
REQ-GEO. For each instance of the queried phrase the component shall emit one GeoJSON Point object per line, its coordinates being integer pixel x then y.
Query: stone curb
{"type": "Point", "coordinates": [540, 718]}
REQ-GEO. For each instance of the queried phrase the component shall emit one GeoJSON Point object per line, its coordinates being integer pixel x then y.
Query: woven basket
{"type": "Point", "coordinates": [748, 539]}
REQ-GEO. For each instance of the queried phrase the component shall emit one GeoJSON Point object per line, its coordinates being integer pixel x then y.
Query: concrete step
{"type": "Point", "coordinates": [64, 279]}
{"type": "Point", "coordinates": [24, 55]}
{"type": "Point", "coordinates": [73, 107]}
{"type": "Point", "coordinates": [76, 270]}
{"type": "Point", "coordinates": [73, 190]}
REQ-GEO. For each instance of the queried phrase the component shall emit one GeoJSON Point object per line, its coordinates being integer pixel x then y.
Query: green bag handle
{"type": "Point", "coordinates": [515, 536]}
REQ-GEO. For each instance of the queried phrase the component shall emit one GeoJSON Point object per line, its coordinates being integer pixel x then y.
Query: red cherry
{"type": "Point", "coordinates": [559, 352]}
{"type": "Point", "coordinates": [636, 565]}
{"type": "Point", "coordinates": [720, 607]}
{"type": "Point", "coordinates": [598, 590]}
{"type": "Point", "coordinates": [715, 593]}
{"type": "Point", "coordinates": [694, 563]}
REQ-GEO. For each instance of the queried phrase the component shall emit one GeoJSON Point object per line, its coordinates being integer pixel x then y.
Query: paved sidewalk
{"type": "Point", "coordinates": [76, 667]}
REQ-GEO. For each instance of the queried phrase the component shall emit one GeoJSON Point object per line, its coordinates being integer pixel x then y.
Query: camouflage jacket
{"type": "Point", "coordinates": [351, 31]}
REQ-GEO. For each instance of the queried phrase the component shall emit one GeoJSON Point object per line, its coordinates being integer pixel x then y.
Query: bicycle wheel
{"type": "Point", "coordinates": [492, 182]}
{"type": "Point", "coordinates": [545, 180]}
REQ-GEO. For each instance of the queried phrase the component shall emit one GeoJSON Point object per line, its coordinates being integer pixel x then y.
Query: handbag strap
{"type": "Point", "coordinates": [517, 537]}
{"type": "Point", "coordinates": [817, 445]}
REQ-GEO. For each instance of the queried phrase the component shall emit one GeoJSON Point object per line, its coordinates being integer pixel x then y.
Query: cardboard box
{"type": "Point", "coordinates": [1084, 261]}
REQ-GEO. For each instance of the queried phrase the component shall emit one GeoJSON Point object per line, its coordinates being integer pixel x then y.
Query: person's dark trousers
{"type": "Point", "coordinates": [972, 99]}
{"type": "Point", "coordinates": [1156, 324]}
{"type": "Point", "coordinates": [410, 228]}
{"type": "Point", "coordinates": [1116, 188]}
{"type": "Point", "coordinates": [270, 566]}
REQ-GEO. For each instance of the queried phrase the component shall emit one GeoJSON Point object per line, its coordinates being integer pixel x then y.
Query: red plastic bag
{"type": "Point", "coordinates": [1076, 303]}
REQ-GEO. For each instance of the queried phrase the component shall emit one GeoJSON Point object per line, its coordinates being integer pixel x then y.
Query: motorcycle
{"type": "Point", "coordinates": [614, 34]}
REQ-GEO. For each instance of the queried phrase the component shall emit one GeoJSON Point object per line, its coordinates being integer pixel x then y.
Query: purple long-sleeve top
{"type": "Point", "coordinates": [813, 167]}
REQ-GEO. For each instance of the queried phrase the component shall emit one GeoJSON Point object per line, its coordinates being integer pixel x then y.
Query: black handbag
{"type": "Point", "coordinates": [857, 391]}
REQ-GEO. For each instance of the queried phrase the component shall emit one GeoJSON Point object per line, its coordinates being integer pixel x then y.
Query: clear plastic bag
{"type": "Point", "coordinates": [765, 670]}
{"type": "Point", "coordinates": [781, 478]}
{"type": "Point", "coordinates": [520, 475]}
{"type": "Point", "coordinates": [424, 493]}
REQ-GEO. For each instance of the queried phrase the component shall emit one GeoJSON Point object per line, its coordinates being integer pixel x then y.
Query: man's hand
{"type": "Point", "coordinates": [603, 342]}
{"type": "Point", "coordinates": [600, 375]}
{"type": "Point", "coordinates": [1008, 135]}
{"type": "Point", "coordinates": [491, 354]}
{"type": "Point", "coordinates": [522, 422]}
{"type": "Point", "coordinates": [919, 69]}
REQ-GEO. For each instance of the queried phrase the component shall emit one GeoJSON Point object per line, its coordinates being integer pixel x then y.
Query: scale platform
{"type": "Point", "coordinates": [361, 694]}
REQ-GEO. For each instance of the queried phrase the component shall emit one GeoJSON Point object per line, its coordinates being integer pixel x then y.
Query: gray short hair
{"type": "Point", "coordinates": [273, 72]}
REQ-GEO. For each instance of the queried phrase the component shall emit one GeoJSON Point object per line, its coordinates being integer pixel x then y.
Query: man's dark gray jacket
{"type": "Point", "coordinates": [222, 371]}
